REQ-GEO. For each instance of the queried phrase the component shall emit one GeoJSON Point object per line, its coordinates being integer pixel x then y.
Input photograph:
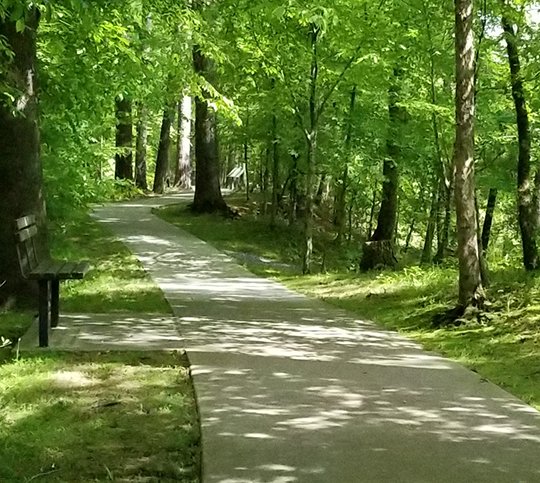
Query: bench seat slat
{"type": "Point", "coordinates": [59, 270]}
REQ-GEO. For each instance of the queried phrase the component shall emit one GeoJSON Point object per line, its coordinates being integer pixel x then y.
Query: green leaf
{"type": "Point", "coordinates": [19, 25]}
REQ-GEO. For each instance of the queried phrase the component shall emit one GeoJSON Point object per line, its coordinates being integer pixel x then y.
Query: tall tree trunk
{"type": "Point", "coordinates": [21, 179]}
{"type": "Point", "coordinates": [182, 176]}
{"type": "Point", "coordinates": [488, 218]}
{"type": "Point", "coordinates": [311, 141]}
{"type": "Point", "coordinates": [208, 197]}
{"type": "Point", "coordinates": [124, 139]}
{"type": "Point", "coordinates": [162, 161]}
{"type": "Point", "coordinates": [379, 251]}
{"type": "Point", "coordinates": [527, 210]}
{"type": "Point", "coordinates": [340, 203]}
{"type": "Point", "coordinates": [470, 279]}
{"type": "Point", "coordinates": [141, 147]}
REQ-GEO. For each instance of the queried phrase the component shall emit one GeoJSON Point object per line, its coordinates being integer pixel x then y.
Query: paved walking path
{"type": "Point", "coordinates": [293, 390]}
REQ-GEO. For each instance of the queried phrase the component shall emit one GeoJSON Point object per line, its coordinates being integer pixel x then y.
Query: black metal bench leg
{"type": "Point", "coordinates": [44, 291]}
{"type": "Point", "coordinates": [55, 302]}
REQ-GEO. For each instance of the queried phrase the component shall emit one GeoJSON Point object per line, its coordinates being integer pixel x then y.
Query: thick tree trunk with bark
{"type": "Point", "coordinates": [527, 210]}
{"type": "Point", "coordinates": [21, 184]}
{"type": "Point", "coordinates": [162, 161]}
{"type": "Point", "coordinates": [141, 148]}
{"type": "Point", "coordinates": [488, 218]}
{"type": "Point", "coordinates": [208, 198]}
{"type": "Point", "coordinates": [470, 279]}
{"type": "Point", "coordinates": [182, 177]}
{"type": "Point", "coordinates": [384, 234]}
{"type": "Point", "coordinates": [124, 140]}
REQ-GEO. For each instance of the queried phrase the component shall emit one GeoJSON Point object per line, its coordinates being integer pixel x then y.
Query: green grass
{"type": "Point", "coordinates": [127, 417]}
{"type": "Point", "coordinates": [98, 417]}
{"type": "Point", "coordinates": [504, 346]}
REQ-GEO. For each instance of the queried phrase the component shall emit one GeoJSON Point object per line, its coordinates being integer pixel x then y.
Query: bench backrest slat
{"type": "Point", "coordinates": [25, 234]}
{"type": "Point", "coordinates": [25, 222]}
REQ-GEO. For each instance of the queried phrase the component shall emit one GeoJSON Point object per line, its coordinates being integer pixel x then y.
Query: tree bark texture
{"type": "Point", "coordinates": [527, 211]}
{"type": "Point", "coordinates": [141, 148]}
{"type": "Point", "coordinates": [182, 177]}
{"type": "Point", "coordinates": [208, 197]}
{"type": "Point", "coordinates": [470, 280]}
{"type": "Point", "coordinates": [162, 161]}
{"type": "Point", "coordinates": [124, 139]}
{"type": "Point", "coordinates": [21, 179]}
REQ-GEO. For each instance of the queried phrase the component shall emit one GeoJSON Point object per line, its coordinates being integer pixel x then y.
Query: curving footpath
{"type": "Point", "coordinates": [293, 390]}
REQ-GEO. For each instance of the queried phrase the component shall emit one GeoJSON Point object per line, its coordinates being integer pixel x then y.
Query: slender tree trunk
{"type": "Point", "coordinates": [527, 211]}
{"type": "Point", "coordinates": [141, 147]}
{"type": "Point", "coordinates": [124, 139]}
{"type": "Point", "coordinates": [340, 206]}
{"type": "Point", "coordinates": [470, 279]}
{"type": "Point", "coordinates": [182, 176]}
{"type": "Point", "coordinates": [409, 235]}
{"type": "Point", "coordinates": [488, 218]}
{"type": "Point", "coordinates": [483, 265]}
{"type": "Point", "coordinates": [311, 140]}
{"type": "Point", "coordinates": [208, 197]}
{"type": "Point", "coordinates": [162, 161]}
{"type": "Point", "coordinates": [21, 179]}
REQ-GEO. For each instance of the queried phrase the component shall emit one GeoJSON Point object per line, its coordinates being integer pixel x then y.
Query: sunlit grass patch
{"type": "Point", "coordinates": [98, 417]}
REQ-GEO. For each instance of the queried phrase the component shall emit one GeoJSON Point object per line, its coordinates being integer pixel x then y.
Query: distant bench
{"type": "Point", "coordinates": [36, 264]}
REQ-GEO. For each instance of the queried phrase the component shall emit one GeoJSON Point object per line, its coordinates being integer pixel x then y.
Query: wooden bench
{"type": "Point", "coordinates": [36, 264]}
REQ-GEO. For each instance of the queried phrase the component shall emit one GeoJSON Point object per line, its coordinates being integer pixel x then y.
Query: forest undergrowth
{"type": "Point", "coordinates": [501, 342]}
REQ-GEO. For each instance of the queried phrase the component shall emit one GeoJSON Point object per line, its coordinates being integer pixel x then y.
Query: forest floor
{"type": "Point", "coordinates": [502, 345]}
{"type": "Point", "coordinates": [104, 416]}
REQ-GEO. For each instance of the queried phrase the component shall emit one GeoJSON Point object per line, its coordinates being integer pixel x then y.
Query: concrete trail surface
{"type": "Point", "coordinates": [291, 389]}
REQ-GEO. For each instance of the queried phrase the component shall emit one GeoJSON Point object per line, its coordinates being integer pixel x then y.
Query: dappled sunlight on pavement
{"type": "Point", "coordinates": [291, 389]}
